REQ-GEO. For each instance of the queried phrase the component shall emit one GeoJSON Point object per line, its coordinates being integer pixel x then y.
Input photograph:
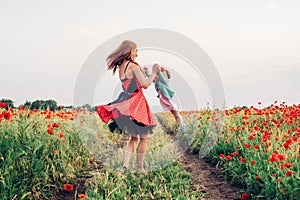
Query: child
{"type": "Point", "coordinates": [167, 97]}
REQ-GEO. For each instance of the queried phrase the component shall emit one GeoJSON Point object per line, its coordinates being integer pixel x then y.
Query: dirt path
{"type": "Point", "coordinates": [204, 175]}
{"type": "Point", "coordinates": [209, 178]}
{"type": "Point", "coordinates": [79, 187]}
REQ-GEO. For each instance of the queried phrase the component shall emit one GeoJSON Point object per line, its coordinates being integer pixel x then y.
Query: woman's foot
{"type": "Point", "coordinates": [142, 170]}
{"type": "Point", "coordinates": [124, 169]}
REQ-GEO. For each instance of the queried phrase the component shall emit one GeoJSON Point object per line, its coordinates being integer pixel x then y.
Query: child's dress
{"type": "Point", "coordinates": [130, 112]}
{"type": "Point", "coordinates": [169, 104]}
{"type": "Point", "coordinates": [167, 97]}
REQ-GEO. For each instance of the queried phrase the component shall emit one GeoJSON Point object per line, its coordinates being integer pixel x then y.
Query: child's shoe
{"type": "Point", "coordinates": [183, 129]}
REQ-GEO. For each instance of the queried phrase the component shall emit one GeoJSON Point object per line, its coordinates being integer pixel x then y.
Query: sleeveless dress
{"type": "Point", "coordinates": [130, 112]}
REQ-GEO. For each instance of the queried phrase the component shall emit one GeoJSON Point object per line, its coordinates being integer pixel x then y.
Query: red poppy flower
{"type": "Point", "coordinates": [221, 155]}
{"type": "Point", "coordinates": [50, 131]}
{"type": "Point", "coordinates": [55, 125]}
{"type": "Point", "coordinates": [3, 105]}
{"type": "Point", "coordinates": [81, 196]}
{"type": "Point", "coordinates": [252, 162]}
{"type": "Point", "coordinates": [243, 160]}
{"type": "Point", "coordinates": [244, 195]}
{"type": "Point", "coordinates": [61, 134]}
{"type": "Point", "coordinates": [289, 173]}
{"type": "Point", "coordinates": [280, 166]}
{"type": "Point", "coordinates": [234, 153]}
{"type": "Point", "coordinates": [281, 157]}
{"type": "Point", "coordinates": [273, 158]}
{"type": "Point", "coordinates": [288, 165]}
{"type": "Point", "coordinates": [228, 157]}
{"type": "Point", "coordinates": [279, 179]}
{"type": "Point", "coordinates": [245, 117]}
{"type": "Point", "coordinates": [68, 187]}
{"type": "Point", "coordinates": [48, 116]}
{"type": "Point", "coordinates": [6, 115]}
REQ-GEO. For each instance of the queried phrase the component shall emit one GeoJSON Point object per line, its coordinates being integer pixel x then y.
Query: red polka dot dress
{"type": "Point", "coordinates": [130, 112]}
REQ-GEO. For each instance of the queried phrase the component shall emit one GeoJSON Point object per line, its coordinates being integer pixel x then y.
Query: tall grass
{"type": "Point", "coordinates": [34, 164]}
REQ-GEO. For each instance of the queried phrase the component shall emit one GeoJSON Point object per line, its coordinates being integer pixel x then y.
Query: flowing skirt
{"type": "Point", "coordinates": [132, 116]}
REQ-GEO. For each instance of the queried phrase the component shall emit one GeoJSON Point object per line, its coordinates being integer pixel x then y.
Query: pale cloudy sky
{"type": "Point", "coordinates": [254, 44]}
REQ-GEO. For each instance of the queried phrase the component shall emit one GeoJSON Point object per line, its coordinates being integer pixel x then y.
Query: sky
{"type": "Point", "coordinates": [254, 46]}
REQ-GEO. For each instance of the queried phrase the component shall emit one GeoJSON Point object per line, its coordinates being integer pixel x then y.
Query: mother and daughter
{"type": "Point", "coordinates": [130, 112]}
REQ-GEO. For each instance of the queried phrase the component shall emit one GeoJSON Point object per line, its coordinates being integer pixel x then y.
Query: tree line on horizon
{"type": "Point", "coordinates": [52, 105]}
{"type": "Point", "coordinates": [44, 105]}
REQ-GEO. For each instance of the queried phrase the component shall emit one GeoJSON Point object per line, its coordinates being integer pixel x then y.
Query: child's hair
{"type": "Point", "coordinates": [168, 74]}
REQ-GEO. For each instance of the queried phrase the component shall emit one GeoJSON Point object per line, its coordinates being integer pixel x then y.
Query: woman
{"type": "Point", "coordinates": [130, 112]}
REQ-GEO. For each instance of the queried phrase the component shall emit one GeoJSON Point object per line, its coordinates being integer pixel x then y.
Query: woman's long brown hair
{"type": "Point", "coordinates": [117, 57]}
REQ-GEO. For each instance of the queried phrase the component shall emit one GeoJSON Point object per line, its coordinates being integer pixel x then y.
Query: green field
{"type": "Point", "coordinates": [42, 151]}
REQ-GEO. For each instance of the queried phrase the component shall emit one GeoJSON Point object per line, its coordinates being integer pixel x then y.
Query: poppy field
{"type": "Point", "coordinates": [40, 152]}
{"type": "Point", "coordinates": [44, 153]}
{"type": "Point", "coordinates": [259, 149]}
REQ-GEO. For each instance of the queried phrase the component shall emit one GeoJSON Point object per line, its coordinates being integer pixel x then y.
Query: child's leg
{"type": "Point", "coordinates": [178, 117]}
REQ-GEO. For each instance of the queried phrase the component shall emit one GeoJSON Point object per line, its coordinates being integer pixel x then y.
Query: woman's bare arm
{"type": "Point", "coordinates": [145, 82]}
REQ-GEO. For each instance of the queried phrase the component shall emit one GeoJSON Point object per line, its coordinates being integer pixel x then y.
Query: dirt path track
{"type": "Point", "coordinates": [211, 182]}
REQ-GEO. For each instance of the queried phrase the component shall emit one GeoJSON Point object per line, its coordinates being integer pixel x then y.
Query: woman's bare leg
{"type": "Point", "coordinates": [129, 150]}
{"type": "Point", "coordinates": [141, 150]}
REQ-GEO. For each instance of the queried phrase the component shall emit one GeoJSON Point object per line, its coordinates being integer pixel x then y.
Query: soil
{"type": "Point", "coordinates": [208, 178]}
{"type": "Point", "coordinates": [204, 175]}
{"type": "Point", "coordinates": [79, 187]}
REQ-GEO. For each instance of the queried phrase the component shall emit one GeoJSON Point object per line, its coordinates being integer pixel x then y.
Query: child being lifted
{"type": "Point", "coordinates": [168, 99]}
